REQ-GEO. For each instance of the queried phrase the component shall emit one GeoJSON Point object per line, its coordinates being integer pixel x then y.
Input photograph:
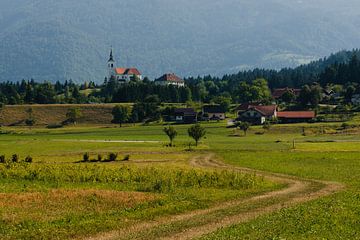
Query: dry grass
{"type": "Point", "coordinates": [56, 113]}
{"type": "Point", "coordinates": [47, 206]}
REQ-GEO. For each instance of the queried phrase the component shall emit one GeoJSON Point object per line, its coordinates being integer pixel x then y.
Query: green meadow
{"type": "Point", "coordinates": [58, 197]}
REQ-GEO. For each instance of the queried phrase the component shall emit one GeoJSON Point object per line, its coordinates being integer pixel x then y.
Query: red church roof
{"type": "Point", "coordinates": [296, 114]}
{"type": "Point", "coordinates": [127, 71]}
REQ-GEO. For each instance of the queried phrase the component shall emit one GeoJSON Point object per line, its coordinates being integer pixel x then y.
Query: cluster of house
{"type": "Point", "coordinates": [252, 113]}
{"type": "Point", "coordinates": [189, 115]}
{"type": "Point", "coordinates": [259, 114]}
{"type": "Point", "coordinates": [125, 74]}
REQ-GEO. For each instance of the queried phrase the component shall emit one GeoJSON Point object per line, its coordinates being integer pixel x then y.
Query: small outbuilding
{"type": "Point", "coordinates": [213, 112]}
{"type": "Point", "coordinates": [296, 116]}
{"type": "Point", "coordinates": [185, 115]}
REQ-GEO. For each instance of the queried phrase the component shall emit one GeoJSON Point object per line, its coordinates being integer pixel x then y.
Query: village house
{"type": "Point", "coordinates": [170, 79]}
{"type": "Point", "coordinates": [256, 114]}
{"type": "Point", "coordinates": [185, 115]}
{"type": "Point", "coordinates": [213, 112]}
{"type": "Point", "coordinates": [296, 116]}
{"type": "Point", "coordinates": [122, 74]}
{"type": "Point", "coordinates": [279, 92]}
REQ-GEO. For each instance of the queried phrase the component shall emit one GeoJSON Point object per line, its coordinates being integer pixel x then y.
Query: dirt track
{"type": "Point", "coordinates": [297, 191]}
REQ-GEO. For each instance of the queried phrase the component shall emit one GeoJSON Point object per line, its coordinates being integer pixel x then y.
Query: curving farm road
{"type": "Point", "coordinates": [297, 191]}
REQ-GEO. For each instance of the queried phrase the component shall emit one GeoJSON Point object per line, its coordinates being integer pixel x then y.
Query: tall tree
{"type": "Point", "coordinates": [196, 132]}
{"type": "Point", "coordinates": [120, 114]}
{"type": "Point", "coordinates": [171, 133]}
{"type": "Point", "coordinates": [73, 115]}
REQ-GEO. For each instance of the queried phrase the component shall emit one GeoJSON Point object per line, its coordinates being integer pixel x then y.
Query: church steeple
{"type": "Point", "coordinates": [111, 65]}
{"type": "Point", "coordinates": [111, 59]}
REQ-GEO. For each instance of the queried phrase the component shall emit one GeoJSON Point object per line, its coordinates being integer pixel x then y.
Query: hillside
{"type": "Point", "coordinates": [55, 114]}
{"type": "Point", "coordinates": [58, 40]}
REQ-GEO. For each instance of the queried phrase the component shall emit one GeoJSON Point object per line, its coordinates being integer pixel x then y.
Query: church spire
{"type": "Point", "coordinates": [111, 59]}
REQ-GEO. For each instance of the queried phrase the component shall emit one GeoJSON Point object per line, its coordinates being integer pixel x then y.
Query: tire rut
{"type": "Point", "coordinates": [298, 189]}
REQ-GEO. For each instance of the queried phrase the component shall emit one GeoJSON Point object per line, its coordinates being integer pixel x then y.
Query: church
{"type": "Point", "coordinates": [120, 73]}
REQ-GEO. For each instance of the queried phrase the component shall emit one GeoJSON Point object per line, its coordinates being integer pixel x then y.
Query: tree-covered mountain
{"type": "Point", "coordinates": [58, 40]}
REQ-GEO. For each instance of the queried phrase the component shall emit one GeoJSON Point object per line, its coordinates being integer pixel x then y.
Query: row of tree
{"type": "Point", "coordinates": [342, 68]}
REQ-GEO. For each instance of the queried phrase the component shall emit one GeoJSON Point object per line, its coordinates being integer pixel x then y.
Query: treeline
{"type": "Point", "coordinates": [342, 73]}
{"type": "Point", "coordinates": [29, 92]}
{"type": "Point", "coordinates": [342, 68]}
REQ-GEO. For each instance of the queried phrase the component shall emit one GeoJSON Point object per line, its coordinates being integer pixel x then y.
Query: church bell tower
{"type": "Point", "coordinates": [111, 65]}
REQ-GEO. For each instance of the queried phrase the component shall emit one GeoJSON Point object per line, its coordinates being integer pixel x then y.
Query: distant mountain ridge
{"type": "Point", "coordinates": [60, 40]}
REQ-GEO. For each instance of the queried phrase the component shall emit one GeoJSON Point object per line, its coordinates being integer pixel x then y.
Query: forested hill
{"type": "Point", "coordinates": [62, 40]}
{"type": "Point", "coordinates": [289, 77]}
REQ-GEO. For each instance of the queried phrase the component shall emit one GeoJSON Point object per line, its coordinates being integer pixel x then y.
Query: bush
{"type": "Point", "coordinates": [345, 126]}
{"type": "Point", "coordinates": [29, 159]}
{"type": "Point", "coordinates": [2, 159]}
{"type": "Point", "coordinates": [86, 157]}
{"type": "Point", "coordinates": [126, 157]}
{"type": "Point", "coordinates": [112, 157]}
{"type": "Point", "coordinates": [15, 158]}
{"type": "Point", "coordinates": [55, 125]}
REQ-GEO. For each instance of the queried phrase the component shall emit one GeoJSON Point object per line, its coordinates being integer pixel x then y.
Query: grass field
{"type": "Point", "coordinates": [55, 197]}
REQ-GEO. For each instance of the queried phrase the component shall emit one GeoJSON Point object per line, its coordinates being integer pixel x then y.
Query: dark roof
{"type": "Point", "coordinates": [213, 109]}
{"type": "Point", "coordinates": [296, 114]}
{"type": "Point", "coordinates": [170, 77]}
{"type": "Point", "coordinates": [185, 111]}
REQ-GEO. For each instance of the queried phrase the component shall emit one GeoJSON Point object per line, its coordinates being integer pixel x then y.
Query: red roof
{"type": "Point", "coordinates": [296, 114]}
{"type": "Point", "coordinates": [277, 93]}
{"type": "Point", "coordinates": [170, 77]}
{"type": "Point", "coordinates": [127, 71]}
{"type": "Point", "coordinates": [265, 110]}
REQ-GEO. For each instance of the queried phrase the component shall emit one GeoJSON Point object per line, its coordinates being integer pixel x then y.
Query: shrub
{"type": "Point", "coordinates": [86, 157]}
{"type": "Point", "coordinates": [345, 126]}
{"type": "Point", "coordinates": [54, 125]}
{"type": "Point", "coordinates": [2, 159]}
{"type": "Point", "coordinates": [126, 157]}
{"type": "Point", "coordinates": [15, 158]}
{"type": "Point", "coordinates": [112, 157]}
{"type": "Point", "coordinates": [29, 159]}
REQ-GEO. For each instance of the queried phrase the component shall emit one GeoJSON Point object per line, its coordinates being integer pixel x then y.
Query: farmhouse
{"type": "Point", "coordinates": [213, 112]}
{"type": "Point", "coordinates": [122, 74]}
{"type": "Point", "coordinates": [185, 115]}
{"type": "Point", "coordinates": [170, 79]}
{"type": "Point", "coordinates": [256, 114]}
{"type": "Point", "coordinates": [279, 92]}
{"type": "Point", "coordinates": [296, 116]}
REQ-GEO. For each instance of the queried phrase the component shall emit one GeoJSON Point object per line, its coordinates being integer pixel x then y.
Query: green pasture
{"type": "Point", "coordinates": [332, 155]}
